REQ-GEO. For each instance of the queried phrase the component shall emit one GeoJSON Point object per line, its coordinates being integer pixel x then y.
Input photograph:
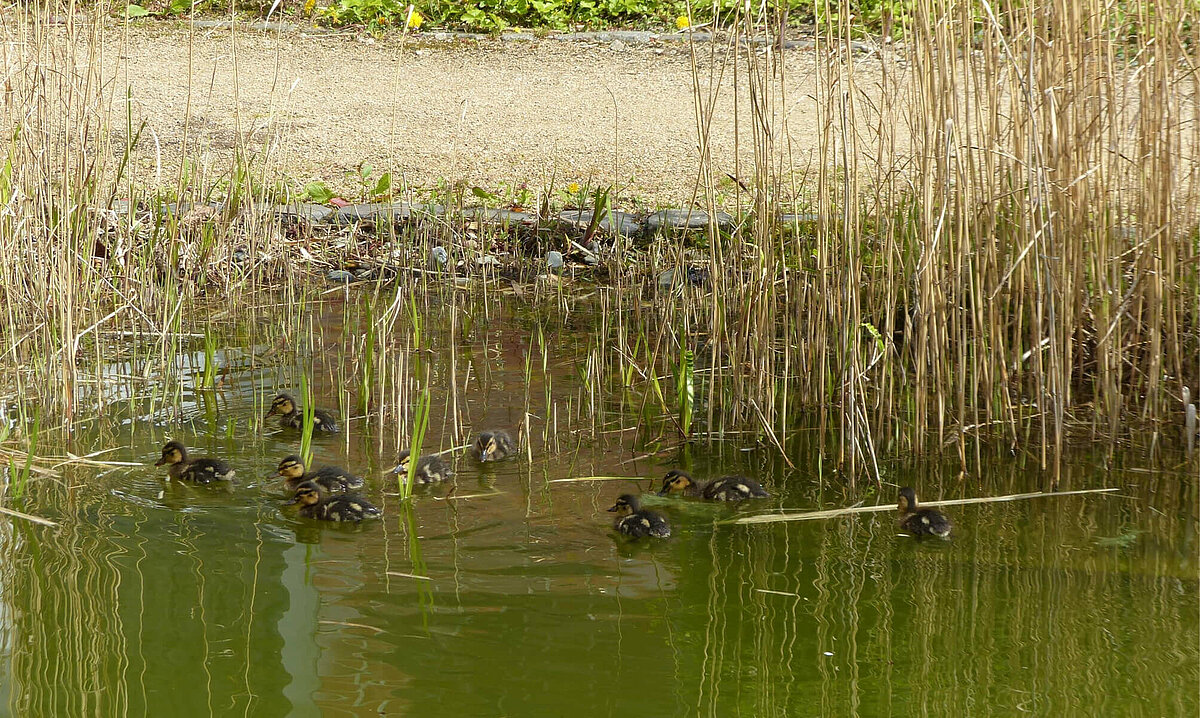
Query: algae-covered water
{"type": "Point", "coordinates": [509, 594]}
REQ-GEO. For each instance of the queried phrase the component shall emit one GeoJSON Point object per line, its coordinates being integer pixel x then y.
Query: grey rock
{"type": "Point", "coordinates": [554, 260]}
{"type": "Point", "coordinates": [499, 217]}
{"type": "Point", "coordinates": [686, 219]}
{"type": "Point", "coordinates": [440, 257]}
{"type": "Point", "coordinates": [298, 212]}
{"type": "Point", "coordinates": [394, 213]}
{"type": "Point", "coordinates": [617, 46]}
{"type": "Point", "coordinates": [614, 222]}
{"type": "Point", "coordinates": [666, 279]}
{"type": "Point", "coordinates": [339, 276]}
{"type": "Point", "coordinates": [488, 260]}
{"type": "Point", "coordinates": [696, 276]}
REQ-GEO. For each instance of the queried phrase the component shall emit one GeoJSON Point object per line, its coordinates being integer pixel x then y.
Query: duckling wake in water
{"type": "Point", "coordinates": [633, 520]}
{"type": "Point", "coordinates": [292, 417]}
{"type": "Point", "coordinates": [331, 479]}
{"type": "Point", "coordinates": [494, 445]}
{"type": "Point", "coordinates": [920, 522]}
{"type": "Point", "coordinates": [315, 504]}
{"type": "Point", "coordinates": [726, 488]}
{"type": "Point", "coordinates": [197, 471]}
{"type": "Point", "coordinates": [430, 468]}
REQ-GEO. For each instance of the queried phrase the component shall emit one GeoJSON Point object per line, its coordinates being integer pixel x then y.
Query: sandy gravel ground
{"type": "Point", "coordinates": [483, 112]}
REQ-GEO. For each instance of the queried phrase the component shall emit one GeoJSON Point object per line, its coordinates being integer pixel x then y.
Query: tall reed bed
{"type": "Point", "coordinates": [1000, 242]}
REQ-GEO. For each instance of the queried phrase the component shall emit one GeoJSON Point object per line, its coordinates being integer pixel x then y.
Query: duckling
{"type": "Point", "coordinates": [430, 469]}
{"type": "Point", "coordinates": [633, 520]}
{"type": "Point", "coordinates": [196, 471]}
{"type": "Point", "coordinates": [495, 445]}
{"type": "Point", "coordinates": [314, 504]}
{"type": "Point", "coordinates": [330, 478]}
{"type": "Point", "coordinates": [726, 488]}
{"type": "Point", "coordinates": [291, 417]}
{"type": "Point", "coordinates": [920, 522]}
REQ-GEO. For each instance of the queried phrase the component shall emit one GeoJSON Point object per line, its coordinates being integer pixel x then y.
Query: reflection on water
{"type": "Point", "coordinates": [511, 595]}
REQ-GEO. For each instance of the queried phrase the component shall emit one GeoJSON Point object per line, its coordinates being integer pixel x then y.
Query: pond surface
{"type": "Point", "coordinates": [510, 595]}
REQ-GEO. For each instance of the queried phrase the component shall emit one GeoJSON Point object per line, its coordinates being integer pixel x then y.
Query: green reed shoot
{"type": "Point", "coordinates": [420, 422]}
{"type": "Point", "coordinates": [20, 478]}
{"type": "Point", "coordinates": [306, 429]}
{"type": "Point", "coordinates": [208, 380]}
{"type": "Point", "coordinates": [685, 389]}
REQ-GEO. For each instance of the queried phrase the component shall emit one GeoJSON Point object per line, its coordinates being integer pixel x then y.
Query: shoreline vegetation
{"type": "Point", "coordinates": [1018, 261]}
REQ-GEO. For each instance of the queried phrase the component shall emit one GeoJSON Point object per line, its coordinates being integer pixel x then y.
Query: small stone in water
{"type": "Point", "coordinates": [555, 260]}
{"type": "Point", "coordinates": [666, 279]}
{"type": "Point", "coordinates": [488, 260]}
{"type": "Point", "coordinates": [339, 276]}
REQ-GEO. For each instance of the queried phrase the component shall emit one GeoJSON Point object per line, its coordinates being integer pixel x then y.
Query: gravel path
{"type": "Point", "coordinates": [486, 112]}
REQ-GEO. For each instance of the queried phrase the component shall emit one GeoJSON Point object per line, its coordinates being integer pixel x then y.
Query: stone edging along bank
{"type": "Point", "coordinates": [616, 39]}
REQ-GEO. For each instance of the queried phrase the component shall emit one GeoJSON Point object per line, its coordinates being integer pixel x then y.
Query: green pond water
{"type": "Point", "coordinates": [161, 600]}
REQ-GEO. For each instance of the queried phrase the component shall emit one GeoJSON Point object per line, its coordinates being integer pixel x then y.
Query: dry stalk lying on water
{"type": "Point", "coordinates": [834, 513]}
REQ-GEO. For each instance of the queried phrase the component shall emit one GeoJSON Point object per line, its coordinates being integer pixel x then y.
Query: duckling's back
{"type": "Point", "coordinates": [644, 523]}
{"type": "Point", "coordinates": [927, 522]}
{"type": "Point", "coordinates": [204, 471]}
{"type": "Point", "coordinates": [734, 488]}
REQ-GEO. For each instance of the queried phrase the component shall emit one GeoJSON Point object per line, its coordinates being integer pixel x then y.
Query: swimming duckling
{"type": "Point", "coordinates": [430, 469]}
{"type": "Point", "coordinates": [632, 520]}
{"type": "Point", "coordinates": [726, 488]}
{"type": "Point", "coordinates": [495, 445]}
{"type": "Point", "coordinates": [291, 417]}
{"type": "Point", "coordinates": [196, 471]}
{"type": "Point", "coordinates": [331, 479]}
{"type": "Point", "coordinates": [920, 522]}
{"type": "Point", "coordinates": [314, 504]}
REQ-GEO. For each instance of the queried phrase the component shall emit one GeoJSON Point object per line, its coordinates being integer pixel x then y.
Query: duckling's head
{"type": "Point", "coordinates": [676, 480]}
{"type": "Point", "coordinates": [291, 467]}
{"type": "Point", "coordinates": [491, 446]}
{"type": "Point", "coordinates": [626, 505]}
{"type": "Point", "coordinates": [281, 405]}
{"type": "Point", "coordinates": [402, 463]}
{"type": "Point", "coordinates": [173, 453]}
{"type": "Point", "coordinates": [908, 500]}
{"type": "Point", "coordinates": [307, 494]}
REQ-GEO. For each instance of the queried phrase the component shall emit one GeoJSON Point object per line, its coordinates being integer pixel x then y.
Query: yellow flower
{"type": "Point", "coordinates": [682, 22]}
{"type": "Point", "coordinates": [573, 187]}
{"type": "Point", "coordinates": [415, 19]}
{"type": "Point", "coordinates": [308, 7]}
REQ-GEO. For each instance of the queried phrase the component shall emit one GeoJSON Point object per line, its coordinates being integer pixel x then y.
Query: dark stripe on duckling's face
{"type": "Point", "coordinates": [291, 468]}
{"type": "Point", "coordinates": [487, 448]}
{"type": "Point", "coordinates": [624, 506]}
{"type": "Point", "coordinates": [171, 454]}
{"type": "Point", "coordinates": [281, 405]}
{"type": "Point", "coordinates": [675, 481]}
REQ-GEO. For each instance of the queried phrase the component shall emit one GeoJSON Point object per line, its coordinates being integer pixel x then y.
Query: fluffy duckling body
{"type": "Point", "coordinates": [632, 520]}
{"type": "Point", "coordinates": [920, 522]}
{"type": "Point", "coordinates": [180, 467]}
{"type": "Point", "coordinates": [330, 479]}
{"type": "Point", "coordinates": [726, 488]}
{"type": "Point", "coordinates": [315, 504]}
{"type": "Point", "coordinates": [430, 469]}
{"type": "Point", "coordinates": [292, 417]}
{"type": "Point", "coordinates": [495, 445]}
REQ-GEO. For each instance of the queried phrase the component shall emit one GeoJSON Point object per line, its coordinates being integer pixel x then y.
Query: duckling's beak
{"type": "Point", "coordinates": [400, 469]}
{"type": "Point", "coordinates": [665, 490]}
{"type": "Point", "coordinates": [161, 461]}
{"type": "Point", "coordinates": [614, 508]}
{"type": "Point", "coordinates": [293, 500]}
